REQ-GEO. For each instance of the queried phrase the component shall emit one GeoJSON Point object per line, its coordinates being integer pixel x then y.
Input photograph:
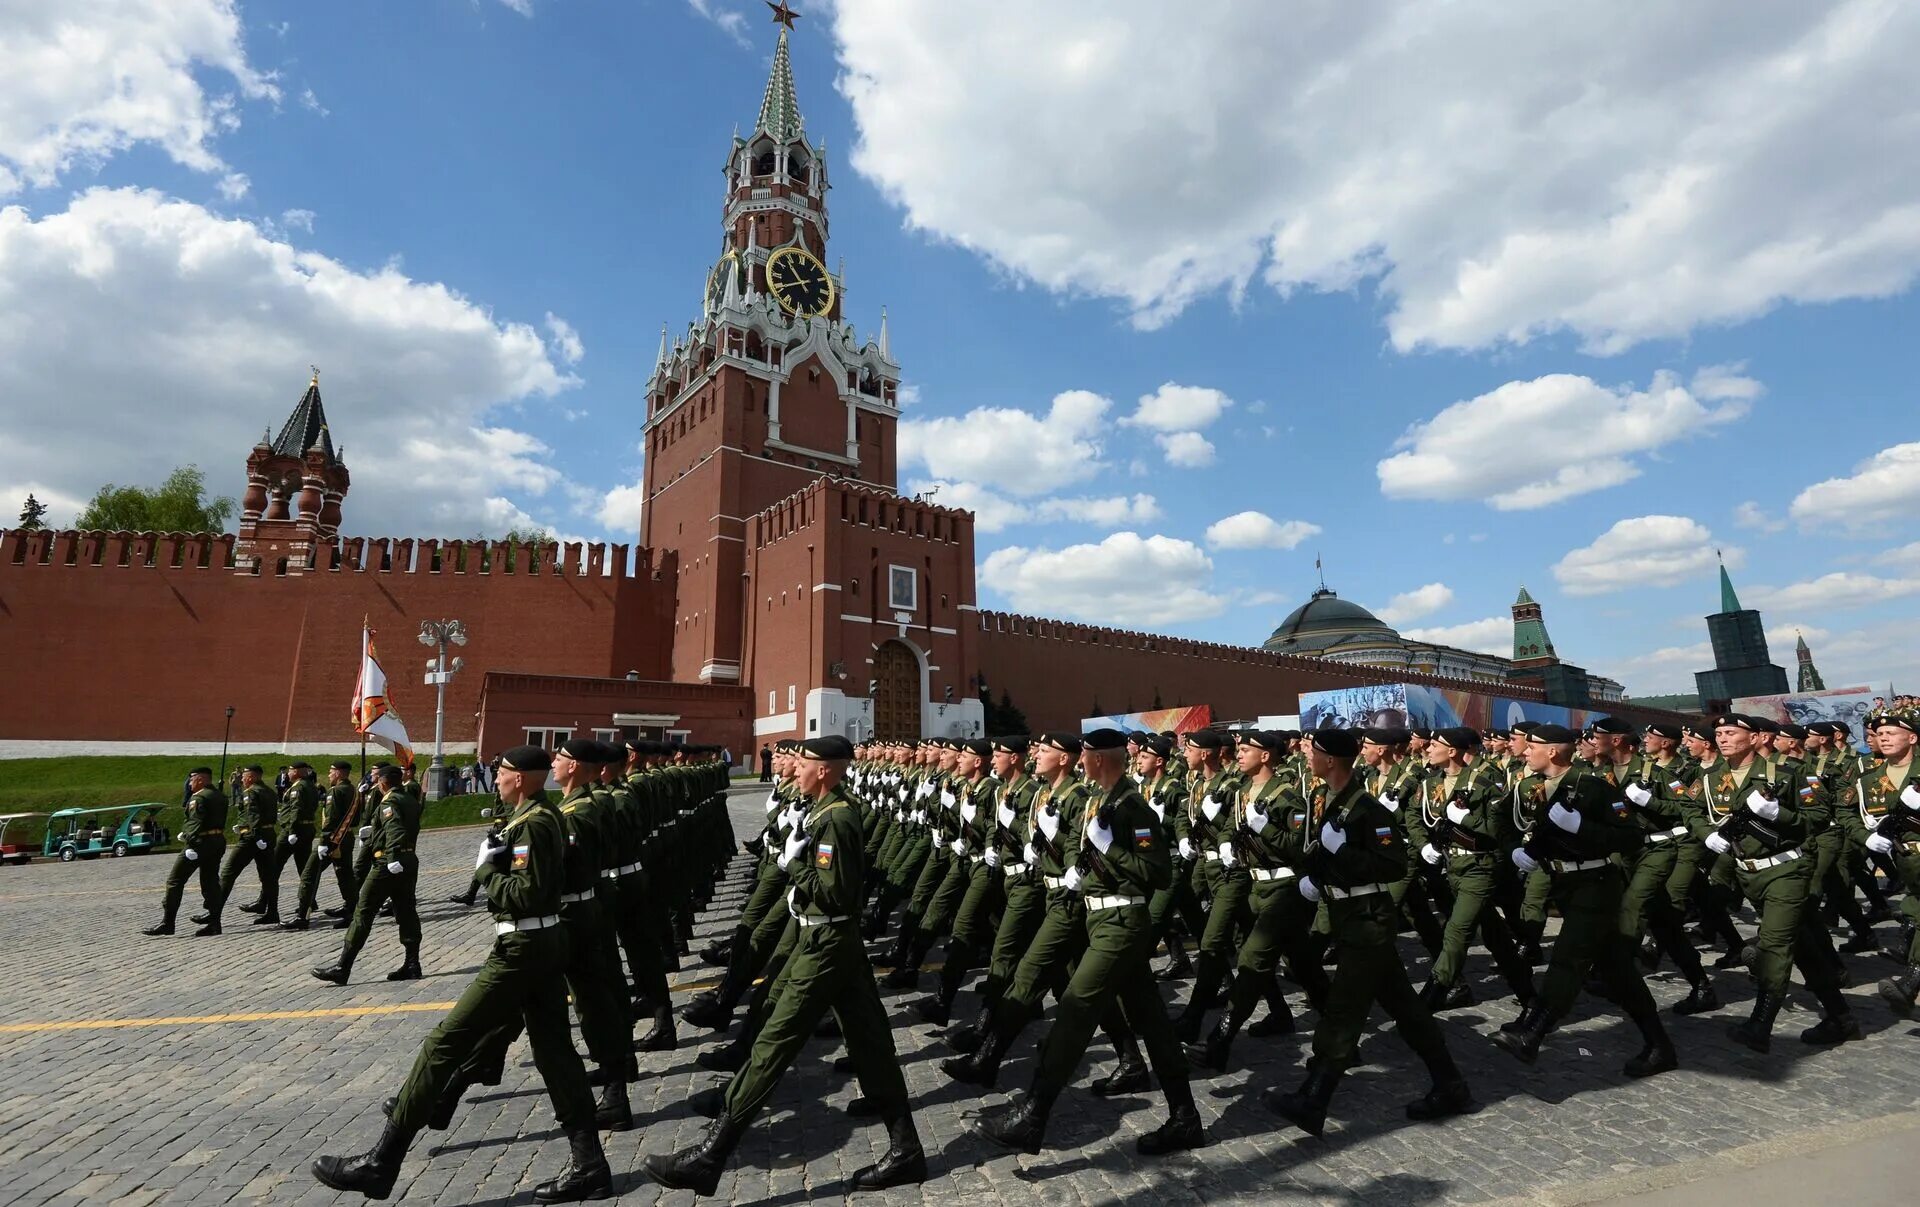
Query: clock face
{"type": "Point", "coordinates": [717, 279]}
{"type": "Point", "coordinates": [799, 282]}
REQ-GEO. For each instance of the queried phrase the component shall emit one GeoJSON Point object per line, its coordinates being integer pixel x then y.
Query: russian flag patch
{"type": "Point", "coordinates": [1385, 835]}
{"type": "Point", "coordinates": [823, 855]}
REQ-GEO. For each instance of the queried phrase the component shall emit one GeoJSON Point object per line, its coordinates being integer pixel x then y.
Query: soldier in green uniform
{"type": "Point", "coordinates": [1883, 818]}
{"type": "Point", "coordinates": [1121, 859]}
{"type": "Point", "coordinates": [623, 885]}
{"type": "Point", "coordinates": [1174, 906]}
{"type": "Point", "coordinates": [519, 986]}
{"type": "Point", "coordinates": [1211, 790]}
{"type": "Point", "coordinates": [334, 840]}
{"type": "Point", "coordinates": [1758, 821]}
{"type": "Point", "coordinates": [828, 971]}
{"type": "Point", "coordinates": [764, 918]}
{"type": "Point", "coordinates": [1269, 839]}
{"type": "Point", "coordinates": [943, 878]}
{"type": "Point", "coordinates": [253, 833]}
{"type": "Point", "coordinates": [1463, 811]}
{"type": "Point", "coordinates": [992, 840]}
{"type": "Point", "coordinates": [1574, 826]}
{"type": "Point", "coordinates": [202, 837]}
{"type": "Point", "coordinates": [299, 804]}
{"type": "Point", "coordinates": [1354, 852]}
{"type": "Point", "coordinates": [392, 875]}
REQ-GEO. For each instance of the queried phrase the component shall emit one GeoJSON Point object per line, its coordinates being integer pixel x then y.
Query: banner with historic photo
{"type": "Point", "coordinates": [1403, 705]}
{"type": "Point", "coordinates": [1160, 720]}
{"type": "Point", "coordinates": [1848, 704]}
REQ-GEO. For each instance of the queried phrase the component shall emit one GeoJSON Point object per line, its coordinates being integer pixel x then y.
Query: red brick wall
{"type": "Point", "coordinates": [128, 637]}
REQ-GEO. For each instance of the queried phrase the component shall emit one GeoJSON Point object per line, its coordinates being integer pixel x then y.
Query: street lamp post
{"type": "Point", "coordinates": [223, 747]}
{"type": "Point", "coordinates": [438, 634]}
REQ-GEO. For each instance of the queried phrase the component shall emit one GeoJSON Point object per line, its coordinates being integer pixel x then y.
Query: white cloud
{"type": "Point", "coordinates": [523, 7]}
{"type": "Point", "coordinates": [731, 23]}
{"type": "Point", "coordinates": [1644, 551]}
{"type": "Point", "coordinates": [1126, 579]}
{"type": "Point", "coordinates": [1412, 605]}
{"type": "Point", "coordinates": [297, 220]}
{"type": "Point", "coordinates": [311, 102]}
{"type": "Point", "coordinates": [564, 340]}
{"type": "Point", "coordinates": [1494, 172]}
{"type": "Point", "coordinates": [995, 512]}
{"type": "Point", "coordinates": [1751, 515]}
{"type": "Point", "coordinates": [211, 323]}
{"type": "Point", "coordinates": [1841, 589]}
{"type": "Point", "coordinates": [1905, 555]}
{"type": "Point", "coordinates": [1257, 530]}
{"type": "Point", "coordinates": [1467, 451]}
{"type": "Point", "coordinates": [1178, 408]}
{"type": "Point", "coordinates": [1884, 487]}
{"type": "Point", "coordinates": [621, 508]}
{"type": "Point", "coordinates": [1494, 635]}
{"type": "Point", "coordinates": [1185, 450]}
{"type": "Point", "coordinates": [1010, 449]}
{"type": "Point", "coordinates": [87, 79]}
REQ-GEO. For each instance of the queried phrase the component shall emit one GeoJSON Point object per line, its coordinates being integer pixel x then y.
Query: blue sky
{"type": "Point", "coordinates": [1447, 328]}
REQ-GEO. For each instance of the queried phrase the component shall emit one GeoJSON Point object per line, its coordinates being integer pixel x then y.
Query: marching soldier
{"type": "Point", "coordinates": [1210, 795]}
{"type": "Point", "coordinates": [299, 803]}
{"type": "Point", "coordinates": [202, 837]}
{"type": "Point", "coordinates": [393, 874]}
{"type": "Point", "coordinates": [1884, 817]}
{"type": "Point", "coordinates": [519, 986]}
{"type": "Point", "coordinates": [334, 840]}
{"type": "Point", "coordinates": [1463, 812]}
{"type": "Point", "coordinates": [253, 842]}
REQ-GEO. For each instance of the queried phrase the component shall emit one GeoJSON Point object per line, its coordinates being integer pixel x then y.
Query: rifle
{"type": "Point", "coordinates": [503, 858]}
{"type": "Point", "coordinates": [1743, 822]}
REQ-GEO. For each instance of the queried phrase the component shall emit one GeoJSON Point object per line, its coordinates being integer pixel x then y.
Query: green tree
{"type": "Point", "coordinates": [33, 515]}
{"type": "Point", "coordinates": [1002, 719]}
{"type": "Point", "coordinates": [179, 505]}
{"type": "Point", "coordinates": [536, 538]}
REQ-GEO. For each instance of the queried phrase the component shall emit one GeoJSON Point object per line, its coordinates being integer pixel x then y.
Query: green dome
{"type": "Point", "coordinates": [1325, 620]}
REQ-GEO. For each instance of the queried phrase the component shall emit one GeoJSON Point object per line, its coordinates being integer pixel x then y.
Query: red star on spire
{"type": "Point", "coordinates": [783, 15]}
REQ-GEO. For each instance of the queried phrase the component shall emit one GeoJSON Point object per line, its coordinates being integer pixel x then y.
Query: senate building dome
{"type": "Point", "coordinates": [1326, 621]}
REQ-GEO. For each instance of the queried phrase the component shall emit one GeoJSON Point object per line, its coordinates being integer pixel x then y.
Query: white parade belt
{"type": "Point", "coordinates": [1095, 904]}
{"type": "Point", "coordinates": [1273, 873]}
{"type": "Point", "coordinates": [507, 928]}
{"type": "Point", "coordinates": [1358, 890]}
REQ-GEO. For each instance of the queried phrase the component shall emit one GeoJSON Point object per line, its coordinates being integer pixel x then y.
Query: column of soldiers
{"type": "Point", "coordinates": [1058, 866]}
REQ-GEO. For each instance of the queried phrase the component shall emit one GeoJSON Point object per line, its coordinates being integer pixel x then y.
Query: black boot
{"type": "Point", "coordinates": [1449, 1096]}
{"type": "Point", "coordinates": [1657, 1056]}
{"type": "Point", "coordinates": [409, 969]}
{"type": "Point", "coordinates": [1306, 1107]}
{"type": "Point", "coordinates": [1895, 951]}
{"type": "Point", "coordinates": [1279, 1016]}
{"type": "Point", "coordinates": [1180, 965]}
{"type": "Point", "coordinates": [374, 1174]}
{"type": "Point", "coordinates": [903, 1164]}
{"type": "Point", "coordinates": [662, 1038]}
{"type": "Point", "coordinates": [297, 922]}
{"type": "Point", "coordinates": [1191, 1020]}
{"type": "Point", "coordinates": [1453, 997]}
{"type": "Point", "coordinates": [983, 1067]}
{"type": "Point", "coordinates": [968, 1038]}
{"type": "Point", "coordinates": [212, 927]}
{"type": "Point", "coordinates": [162, 927]}
{"type": "Point", "coordinates": [1837, 1024]}
{"type": "Point", "coordinates": [584, 1176]}
{"type": "Point", "coordinates": [1181, 1131]}
{"type": "Point", "coordinates": [697, 1167]}
{"type": "Point", "coordinates": [1521, 1021]}
{"type": "Point", "coordinates": [1022, 1126]}
{"type": "Point", "coordinates": [1899, 992]}
{"type": "Point", "coordinates": [1525, 1044]}
{"type": "Point", "coordinates": [337, 972]}
{"type": "Point", "coordinates": [1757, 1031]}
{"type": "Point", "coordinates": [727, 1059]}
{"type": "Point", "coordinates": [708, 1103]}
{"type": "Point", "coordinates": [935, 1008]}
{"type": "Point", "coordinates": [1860, 942]}
{"type": "Point", "coordinates": [613, 1113]}
{"type": "Point", "coordinates": [907, 974]}
{"type": "Point", "coordinates": [1212, 1054]}
{"type": "Point", "coordinates": [1699, 1000]}
{"type": "Point", "coordinates": [1130, 1076]}
{"type": "Point", "coordinates": [903, 942]}
{"type": "Point", "coordinates": [270, 918]}
{"type": "Point", "coordinates": [251, 907]}
{"type": "Point", "coordinates": [706, 1010]}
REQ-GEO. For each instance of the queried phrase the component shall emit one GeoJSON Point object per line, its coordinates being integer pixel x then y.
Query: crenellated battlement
{"type": "Point", "coordinates": [98, 549]}
{"type": "Point", "coordinates": [851, 502]}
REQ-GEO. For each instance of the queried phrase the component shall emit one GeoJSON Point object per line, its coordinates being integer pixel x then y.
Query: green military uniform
{"type": "Point", "coordinates": [598, 989]}
{"type": "Point", "coordinates": [253, 833]}
{"type": "Point", "coordinates": [1463, 814]}
{"type": "Point", "coordinates": [995, 840]}
{"type": "Point", "coordinates": [202, 837]}
{"type": "Point", "coordinates": [299, 807]}
{"type": "Point", "coordinates": [1883, 817]}
{"type": "Point", "coordinates": [395, 827]}
{"type": "Point", "coordinates": [335, 841]}
{"type": "Point", "coordinates": [1659, 802]}
{"type": "Point", "coordinates": [1210, 823]}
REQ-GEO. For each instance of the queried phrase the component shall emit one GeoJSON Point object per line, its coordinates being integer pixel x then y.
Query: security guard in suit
{"type": "Point", "coordinates": [202, 837]}
{"type": "Point", "coordinates": [520, 986]}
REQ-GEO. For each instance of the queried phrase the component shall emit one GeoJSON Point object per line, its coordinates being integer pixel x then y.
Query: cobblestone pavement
{"type": "Point", "coordinates": [239, 1068]}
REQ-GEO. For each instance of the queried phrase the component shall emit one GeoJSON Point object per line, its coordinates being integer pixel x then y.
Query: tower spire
{"type": "Point", "coordinates": [1729, 602]}
{"type": "Point", "coordinates": [779, 108]}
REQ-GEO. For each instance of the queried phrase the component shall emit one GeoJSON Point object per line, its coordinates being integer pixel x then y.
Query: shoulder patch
{"type": "Point", "coordinates": [823, 855]}
{"type": "Point", "coordinates": [1143, 839]}
{"type": "Point", "coordinates": [520, 853]}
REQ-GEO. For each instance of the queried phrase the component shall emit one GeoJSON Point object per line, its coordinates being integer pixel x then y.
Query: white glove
{"type": "Point", "coordinates": [1100, 836]}
{"type": "Point", "coordinates": [1639, 795]}
{"type": "Point", "coordinates": [1457, 814]}
{"type": "Point", "coordinates": [1029, 855]}
{"type": "Point", "coordinates": [1005, 814]}
{"type": "Point", "coordinates": [1332, 838]}
{"type": "Point", "coordinates": [487, 849]}
{"type": "Point", "coordinates": [1049, 823]}
{"type": "Point", "coordinates": [1390, 801]}
{"type": "Point", "coordinates": [1910, 797]}
{"type": "Point", "coordinates": [772, 803]}
{"type": "Point", "coordinates": [1212, 807]}
{"type": "Point", "coordinates": [192, 855]}
{"type": "Point", "coordinates": [1762, 807]}
{"type": "Point", "coordinates": [1309, 889]}
{"type": "Point", "coordinates": [1879, 844]}
{"type": "Point", "coordinates": [1186, 849]}
{"type": "Point", "coordinates": [324, 848]}
{"type": "Point", "coordinates": [958, 846]}
{"type": "Point", "coordinates": [793, 847]}
{"type": "Point", "coordinates": [947, 799]}
{"type": "Point", "coordinates": [968, 810]}
{"type": "Point", "coordinates": [366, 832]}
{"type": "Point", "coordinates": [396, 867]}
{"type": "Point", "coordinates": [1257, 820]}
{"type": "Point", "coordinates": [261, 843]}
{"type": "Point", "coordinates": [1159, 808]}
{"type": "Point", "coordinates": [1431, 854]}
{"type": "Point", "coordinates": [919, 817]}
{"type": "Point", "coordinates": [991, 858]}
{"type": "Point", "coordinates": [1226, 853]}
{"type": "Point", "coordinates": [1072, 880]}
{"type": "Point", "coordinates": [1718, 844]}
{"type": "Point", "coordinates": [1525, 862]}
{"type": "Point", "coordinates": [1566, 819]}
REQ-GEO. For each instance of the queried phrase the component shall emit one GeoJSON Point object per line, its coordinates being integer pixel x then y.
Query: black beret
{"type": "Point", "coordinates": [1764, 724]}
{"type": "Point", "coordinates": [831, 748]}
{"type": "Point", "coordinates": [1421, 731]}
{"type": "Point", "coordinates": [1160, 744]}
{"type": "Point", "coordinates": [1548, 734]}
{"type": "Point", "coordinates": [1613, 725]}
{"type": "Point", "coordinates": [1664, 729]}
{"type": "Point", "coordinates": [1103, 739]}
{"type": "Point", "coordinates": [341, 765]}
{"type": "Point", "coordinates": [206, 771]}
{"type": "Point", "coordinates": [1011, 745]}
{"type": "Point", "coordinates": [1205, 739]}
{"type": "Point", "coordinates": [1385, 736]}
{"type": "Point", "coordinates": [580, 750]}
{"type": "Point", "coordinates": [255, 768]}
{"type": "Point", "coordinates": [389, 774]}
{"type": "Point", "coordinates": [1693, 730]}
{"type": "Point", "coordinates": [302, 765]}
{"type": "Point", "coordinates": [1340, 743]}
{"type": "Point", "coordinates": [1896, 720]}
{"type": "Point", "coordinates": [1273, 743]}
{"type": "Point", "coordinates": [1460, 737]}
{"type": "Point", "coordinates": [1793, 731]}
{"type": "Point", "coordinates": [1524, 729]}
{"type": "Point", "coordinates": [527, 758]}
{"type": "Point", "coordinates": [1061, 741]}
{"type": "Point", "coordinates": [979, 746]}
{"type": "Point", "coordinates": [1839, 729]}
{"type": "Point", "coordinates": [1137, 737]}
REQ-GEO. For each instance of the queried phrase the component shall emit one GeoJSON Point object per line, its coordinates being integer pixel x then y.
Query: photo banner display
{"type": "Point", "coordinates": [1160, 720]}
{"type": "Point", "coordinates": [1406, 705]}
